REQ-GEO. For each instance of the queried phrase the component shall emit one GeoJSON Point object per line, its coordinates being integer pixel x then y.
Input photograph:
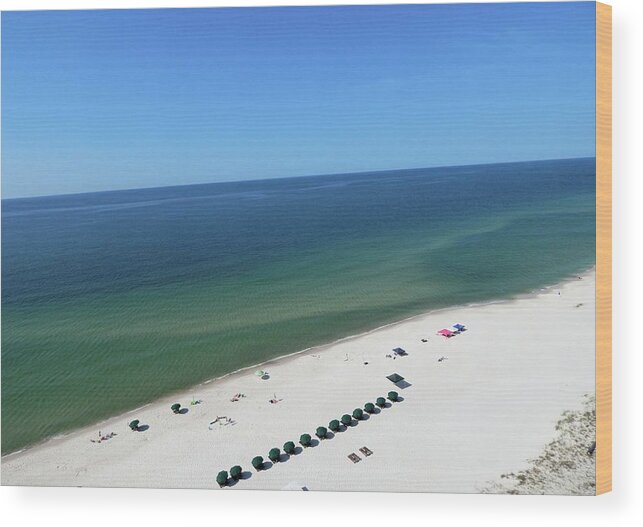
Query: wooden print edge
{"type": "Point", "coordinates": [603, 248]}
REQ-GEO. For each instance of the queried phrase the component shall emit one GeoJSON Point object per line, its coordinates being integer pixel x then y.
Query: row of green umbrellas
{"type": "Point", "coordinates": [305, 440]}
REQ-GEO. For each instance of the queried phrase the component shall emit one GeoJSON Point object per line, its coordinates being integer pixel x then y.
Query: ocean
{"type": "Point", "coordinates": [113, 299]}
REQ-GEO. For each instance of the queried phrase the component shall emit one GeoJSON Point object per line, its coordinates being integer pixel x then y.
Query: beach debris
{"type": "Point", "coordinates": [274, 399]}
{"type": "Point", "coordinates": [579, 305]}
{"type": "Point", "coordinates": [424, 340]}
{"type": "Point", "coordinates": [443, 358]}
{"type": "Point", "coordinates": [314, 356]}
{"type": "Point", "coordinates": [365, 363]}
{"type": "Point", "coordinates": [354, 457]}
{"type": "Point", "coordinates": [261, 374]}
{"type": "Point", "coordinates": [366, 451]}
{"type": "Point", "coordinates": [236, 397]}
{"type": "Point", "coordinates": [194, 401]}
{"type": "Point", "coordinates": [346, 358]}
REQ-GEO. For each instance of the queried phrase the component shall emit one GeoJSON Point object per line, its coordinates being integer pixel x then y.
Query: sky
{"type": "Point", "coordinates": [114, 99]}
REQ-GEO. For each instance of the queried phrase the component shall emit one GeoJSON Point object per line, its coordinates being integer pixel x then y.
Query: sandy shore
{"type": "Point", "coordinates": [486, 409]}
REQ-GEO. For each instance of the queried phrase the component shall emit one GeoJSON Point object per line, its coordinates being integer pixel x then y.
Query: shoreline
{"type": "Point", "coordinates": [187, 392]}
{"type": "Point", "coordinates": [475, 407]}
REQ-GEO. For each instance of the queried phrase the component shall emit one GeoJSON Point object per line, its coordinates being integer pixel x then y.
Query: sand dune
{"type": "Point", "coordinates": [486, 409]}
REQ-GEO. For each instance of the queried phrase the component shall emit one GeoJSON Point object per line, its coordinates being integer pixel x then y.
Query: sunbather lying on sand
{"type": "Point", "coordinates": [102, 437]}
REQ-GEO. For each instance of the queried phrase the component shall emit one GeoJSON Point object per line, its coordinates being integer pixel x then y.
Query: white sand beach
{"type": "Point", "coordinates": [486, 409]}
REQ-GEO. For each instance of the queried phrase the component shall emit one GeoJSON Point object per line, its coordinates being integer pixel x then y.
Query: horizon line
{"type": "Point", "coordinates": [380, 171]}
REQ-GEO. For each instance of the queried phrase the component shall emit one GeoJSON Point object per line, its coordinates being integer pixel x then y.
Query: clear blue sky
{"type": "Point", "coordinates": [98, 100]}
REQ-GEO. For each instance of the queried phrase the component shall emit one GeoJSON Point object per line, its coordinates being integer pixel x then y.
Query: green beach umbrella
{"type": "Point", "coordinates": [274, 455]}
{"type": "Point", "coordinates": [321, 432]}
{"type": "Point", "coordinates": [176, 407]}
{"type": "Point", "coordinates": [334, 425]}
{"type": "Point", "coordinates": [346, 420]}
{"type": "Point", "coordinates": [289, 448]}
{"type": "Point", "coordinates": [222, 478]}
{"type": "Point", "coordinates": [392, 396]}
{"type": "Point", "coordinates": [358, 414]}
{"type": "Point", "coordinates": [134, 424]}
{"type": "Point", "coordinates": [381, 402]}
{"type": "Point", "coordinates": [235, 472]}
{"type": "Point", "coordinates": [369, 407]}
{"type": "Point", "coordinates": [305, 440]}
{"type": "Point", "coordinates": [257, 463]}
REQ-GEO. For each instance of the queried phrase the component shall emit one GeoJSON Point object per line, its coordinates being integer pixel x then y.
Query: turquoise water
{"type": "Point", "coordinates": [112, 299]}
